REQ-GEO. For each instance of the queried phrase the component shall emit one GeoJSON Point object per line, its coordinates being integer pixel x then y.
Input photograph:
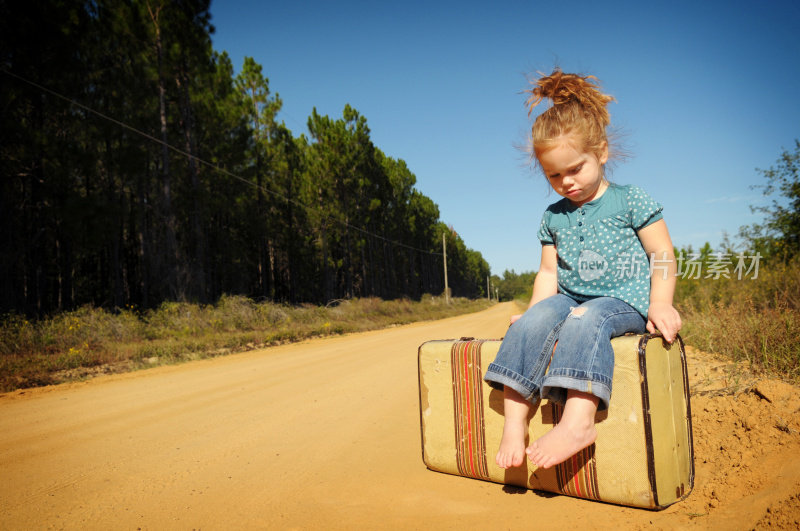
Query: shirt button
{"type": "Point", "coordinates": [580, 223]}
{"type": "Point", "coordinates": [583, 212]}
{"type": "Point", "coordinates": [581, 238]}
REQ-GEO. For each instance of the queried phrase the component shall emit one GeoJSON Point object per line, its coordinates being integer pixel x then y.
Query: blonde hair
{"type": "Point", "coordinates": [579, 109]}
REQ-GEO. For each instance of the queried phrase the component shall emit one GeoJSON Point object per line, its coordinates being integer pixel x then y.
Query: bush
{"type": "Point", "coordinates": [51, 350]}
{"type": "Point", "coordinates": [751, 319]}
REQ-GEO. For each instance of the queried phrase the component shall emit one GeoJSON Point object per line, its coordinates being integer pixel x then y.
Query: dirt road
{"type": "Point", "coordinates": [325, 434]}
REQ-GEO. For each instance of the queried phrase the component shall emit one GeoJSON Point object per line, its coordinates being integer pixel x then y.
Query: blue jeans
{"type": "Point", "coordinates": [583, 359]}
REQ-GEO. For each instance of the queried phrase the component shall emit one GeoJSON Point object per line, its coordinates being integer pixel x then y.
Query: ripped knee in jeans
{"type": "Point", "coordinates": [577, 312]}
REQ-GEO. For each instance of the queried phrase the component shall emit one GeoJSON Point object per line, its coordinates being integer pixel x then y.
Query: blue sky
{"type": "Point", "coordinates": [706, 93]}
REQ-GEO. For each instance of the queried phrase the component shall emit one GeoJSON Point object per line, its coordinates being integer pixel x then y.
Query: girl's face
{"type": "Point", "coordinates": [573, 174]}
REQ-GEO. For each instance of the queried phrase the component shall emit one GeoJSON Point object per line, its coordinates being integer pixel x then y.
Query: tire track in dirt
{"type": "Point", "coordinates": [325, 434]}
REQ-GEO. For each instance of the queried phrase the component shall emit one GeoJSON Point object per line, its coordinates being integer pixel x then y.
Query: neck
{"type": "Point", "coordinates": [601, 189]}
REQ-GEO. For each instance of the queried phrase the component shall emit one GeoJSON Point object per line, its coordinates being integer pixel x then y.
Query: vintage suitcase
{"type": "Point", "coordinates": [643, 455]}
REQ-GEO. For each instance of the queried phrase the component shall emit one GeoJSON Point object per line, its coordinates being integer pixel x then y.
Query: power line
{"type": "Point", "coordinates": [209, 164]}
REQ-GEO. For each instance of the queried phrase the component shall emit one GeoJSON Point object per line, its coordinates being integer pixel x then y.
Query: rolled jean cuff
{"type": "Point", "coordinates": [495, 374]}
{"type": "Point", "coordinates": [555, 388]}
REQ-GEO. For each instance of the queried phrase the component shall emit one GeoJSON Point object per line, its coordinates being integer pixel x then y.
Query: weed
{"type": "Point", "coordinates": [757, 320]}
{"type": "Point", "coordinates": [52, 350]}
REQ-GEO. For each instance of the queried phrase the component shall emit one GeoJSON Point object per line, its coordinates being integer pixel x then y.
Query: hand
{"type": "Point", "coordinates": [665, 318]}
{"type": "Point", "coordinates": [515, 318]}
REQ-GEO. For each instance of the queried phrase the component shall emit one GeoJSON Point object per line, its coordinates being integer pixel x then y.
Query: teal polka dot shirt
{"type": "Point", "coordinates": [599, 253]}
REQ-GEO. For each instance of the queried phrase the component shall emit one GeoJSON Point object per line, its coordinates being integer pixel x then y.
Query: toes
{"type": "Point", "coordinates": [504, 460]}
{"type": "Point", "coordinates": [534, 454]}
{"type": "Point", "coordinates": [509, 460]}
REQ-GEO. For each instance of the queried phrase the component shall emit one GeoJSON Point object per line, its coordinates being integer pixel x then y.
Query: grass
{"type": "Point", "coordinates": [757, 320]}
{"type": "Point", "coordinates": [87, 341]}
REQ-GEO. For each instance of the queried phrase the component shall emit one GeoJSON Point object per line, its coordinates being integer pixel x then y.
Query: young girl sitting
{"type": "Point", "coordinates": [608, 268]}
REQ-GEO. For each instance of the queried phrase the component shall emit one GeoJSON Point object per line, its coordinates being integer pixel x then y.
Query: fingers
{"type": "Point", "coordinates": [666, 319]}
{"type": "Point", "coordinates": [665, 330]}
{"type": "Point", "coordinates": [669, 329]}
{"type": "Point", "coordinates": [674, 325]}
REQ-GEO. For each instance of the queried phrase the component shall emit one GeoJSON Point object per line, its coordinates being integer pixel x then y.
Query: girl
{"type": "Point", "coordinates": [594, 281]}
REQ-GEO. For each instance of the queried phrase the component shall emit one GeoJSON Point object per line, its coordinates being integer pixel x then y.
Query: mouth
{"type": "Point", "coordinates": [574, 192]}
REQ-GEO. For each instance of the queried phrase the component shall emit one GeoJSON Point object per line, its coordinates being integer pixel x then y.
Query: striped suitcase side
{"type": "Point", "coordinates": [643, 456]}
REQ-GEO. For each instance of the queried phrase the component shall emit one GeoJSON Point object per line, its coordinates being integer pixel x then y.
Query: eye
{"type": "Point", "coordinates": [576, 169]}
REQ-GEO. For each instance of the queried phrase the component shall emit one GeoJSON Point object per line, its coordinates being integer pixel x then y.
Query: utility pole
{"type": "Point", "coordinates": [446, 288]}
{"type": "Point", "coordinates": [488, 289]}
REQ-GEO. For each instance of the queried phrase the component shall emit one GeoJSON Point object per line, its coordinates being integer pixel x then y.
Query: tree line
{"type": "Point", "coordinates": [138, 167]}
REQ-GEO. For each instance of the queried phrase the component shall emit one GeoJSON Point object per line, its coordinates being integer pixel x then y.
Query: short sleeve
{"type": "Point", "coordinates": [545, 236]}
{"type": "Point", "coordinates": [643, 209]}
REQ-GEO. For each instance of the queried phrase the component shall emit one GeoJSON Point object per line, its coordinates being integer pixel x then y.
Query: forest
{"type": "Point", "coordinates": [138, 167]}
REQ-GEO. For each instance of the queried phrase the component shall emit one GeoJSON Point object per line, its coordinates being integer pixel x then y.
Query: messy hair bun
{"type": "Point", "coordinates": [579, 109]}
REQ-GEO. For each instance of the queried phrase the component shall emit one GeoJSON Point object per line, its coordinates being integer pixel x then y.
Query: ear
{"type": "Point", "coordinates": [602, 155]}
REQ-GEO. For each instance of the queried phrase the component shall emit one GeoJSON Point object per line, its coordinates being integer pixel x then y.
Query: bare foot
{"type": "Point", "coordinates": [572, 434]}
{"type": "Point", "coordinates": [515, 429]}
{"type": "Point", "coordinates": [512, 445]}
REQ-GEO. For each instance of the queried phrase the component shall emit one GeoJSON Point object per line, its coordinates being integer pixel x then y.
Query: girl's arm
{"type": "Point", "coordinates": [545, 284]}
{"type": "Point", "coordinates": [661, 315]}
